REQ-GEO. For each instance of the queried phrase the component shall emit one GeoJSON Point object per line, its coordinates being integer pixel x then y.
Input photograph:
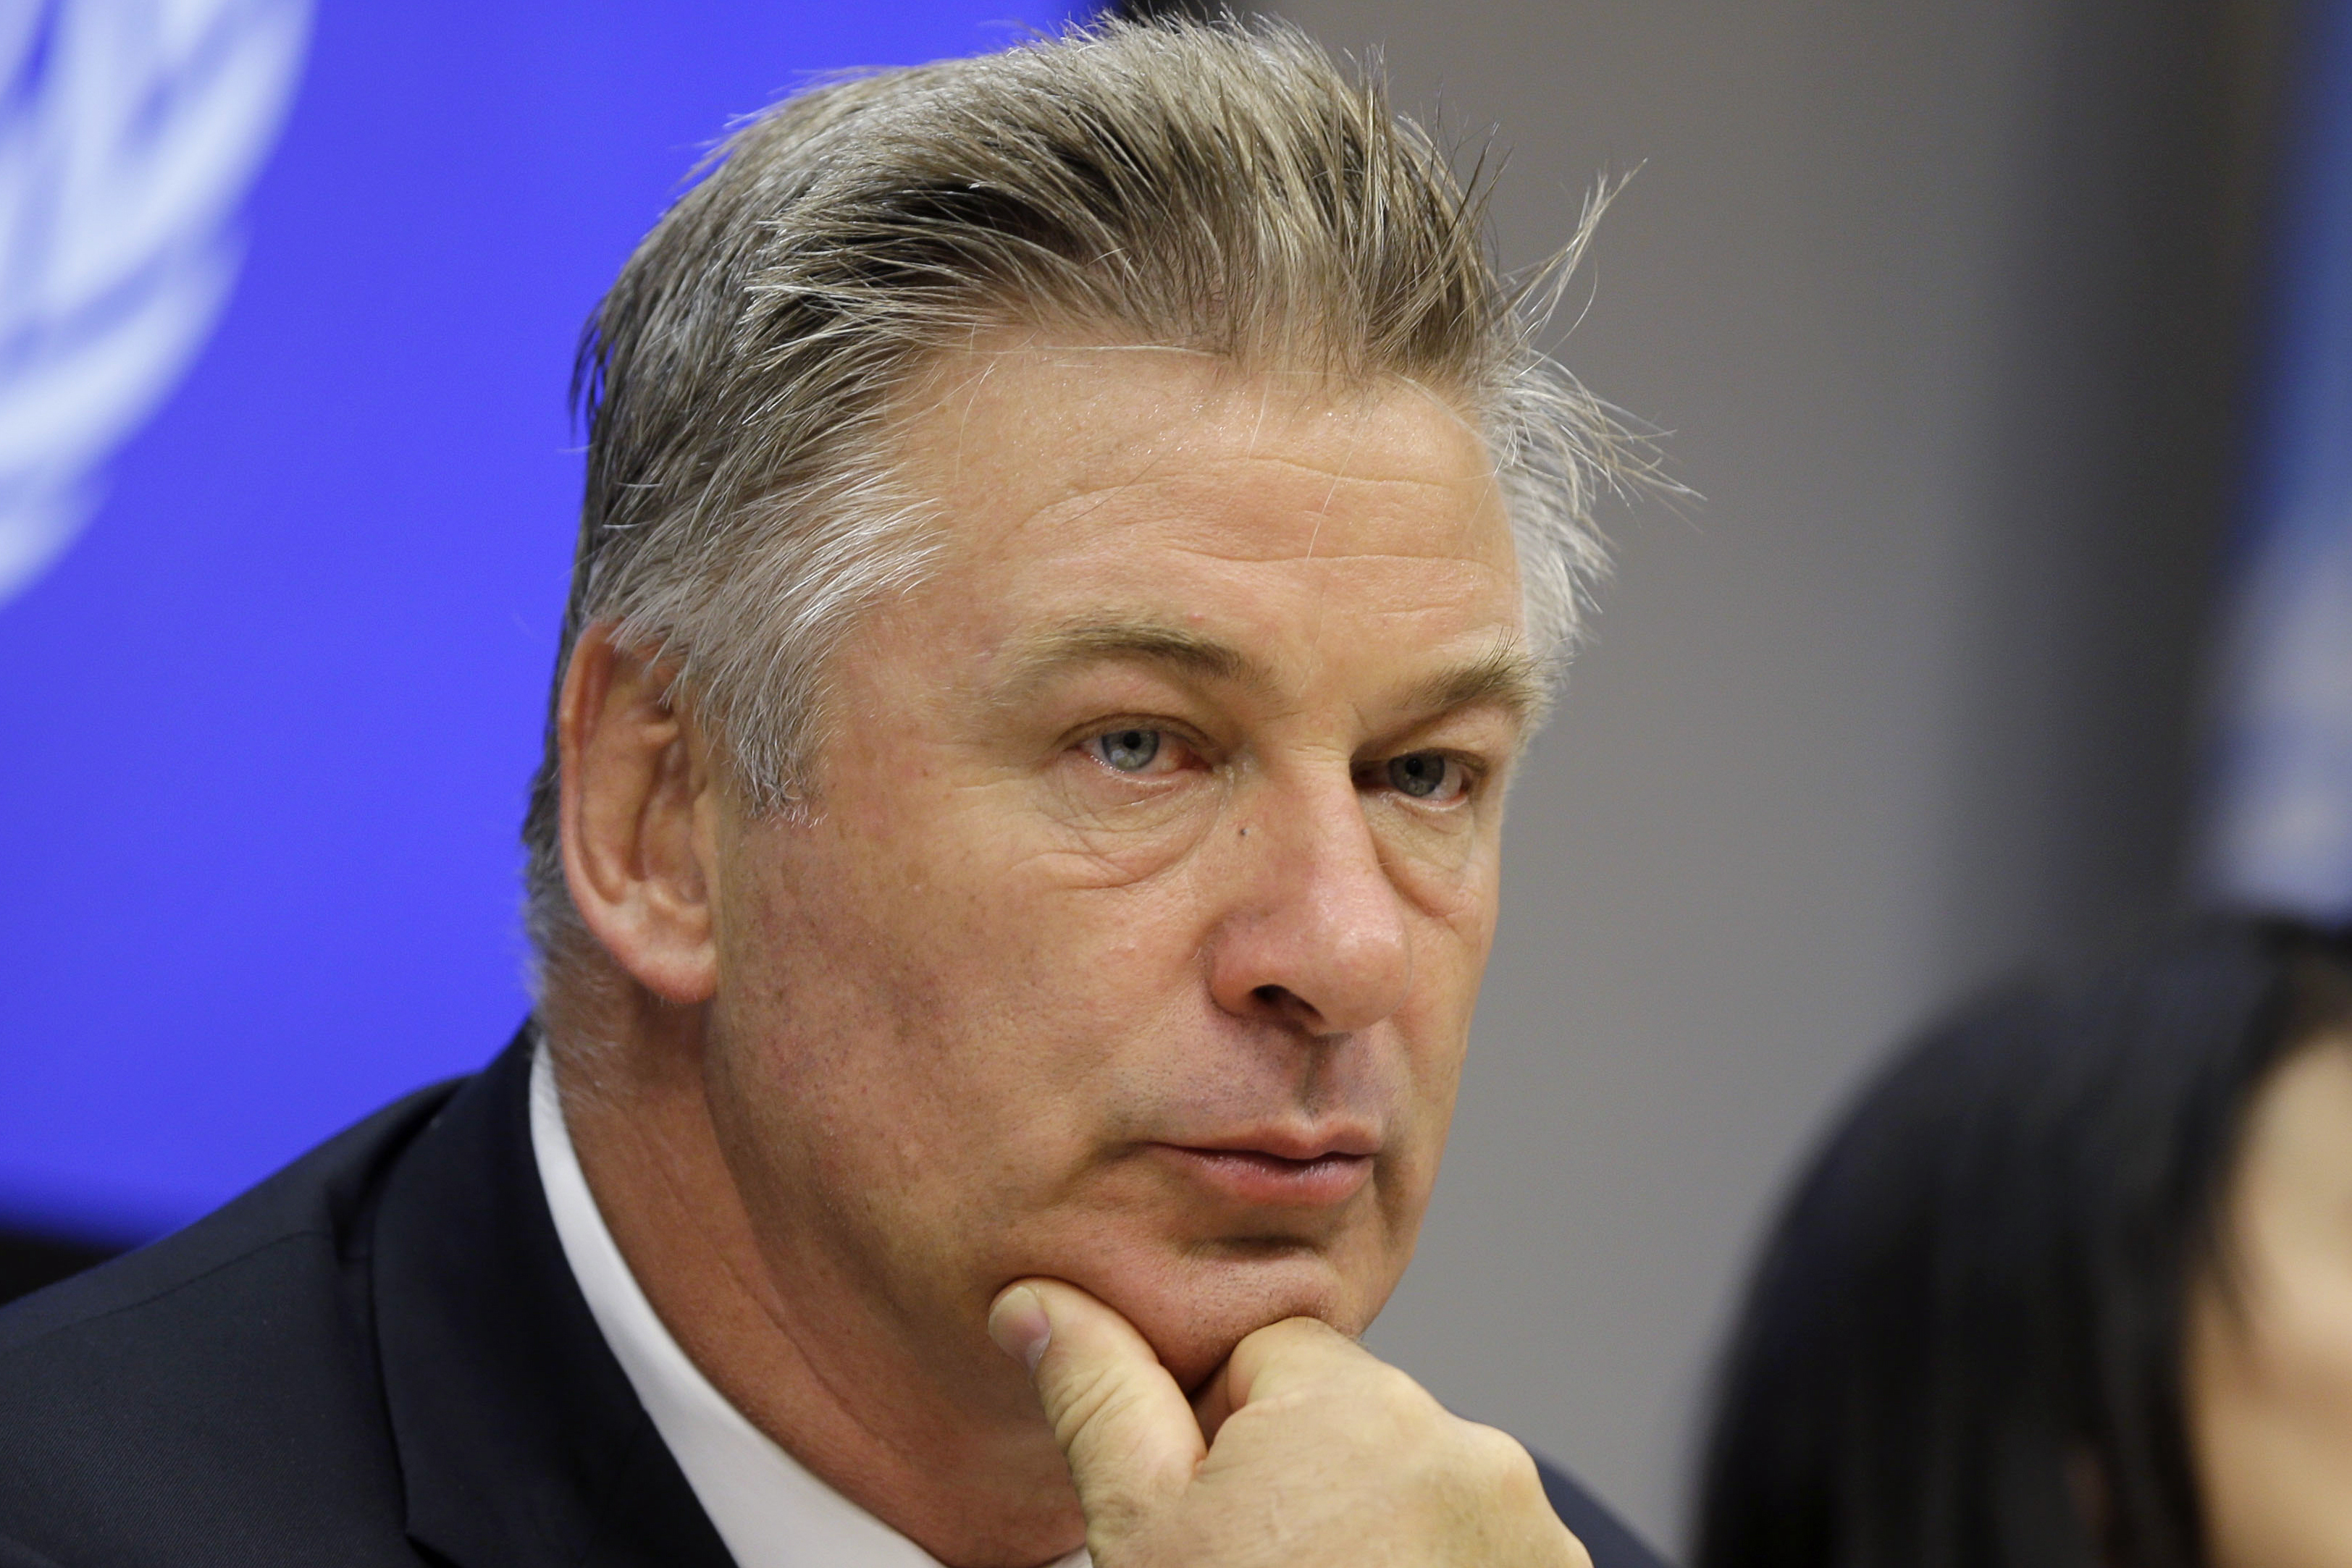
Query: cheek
{"type": "Point", "coordinates": [1453, 934]}
{"type": "Point", "coordinates": [1442, 860]}
{"type": "Point", "coordinates": [1431, 1040]}
{"type": "Point", "coordinates": [2306, 1360]}
{"type": "Point", "coordinates": [2271, 1396]}
{"type": "Point", "coordinates": [1094, 830]}
{"type": "Point", "coordinates": [943, 1009]}
{"type": "Point", "coordinates": [1453, 919]}
{"type": "Point", "coordinates": [1425, 1119]}
{"type": "Point", "coordinates": [1448, 870]}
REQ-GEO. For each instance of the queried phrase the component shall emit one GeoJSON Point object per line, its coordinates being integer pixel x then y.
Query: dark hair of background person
{"type": "Point", "coordinates": [1964, 1342]}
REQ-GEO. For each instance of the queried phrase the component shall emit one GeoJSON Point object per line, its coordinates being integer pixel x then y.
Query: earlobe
{"type": "Point", "coordinates": [636, 788]}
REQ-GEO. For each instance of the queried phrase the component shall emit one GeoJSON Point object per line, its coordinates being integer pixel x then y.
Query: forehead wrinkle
{"type": "Point", "coordinates": [1473, 429]}
{"type": "Point", "coordinates": [1104, 494]}
{"type": "Point", "coordinates": [1339, 474]}
{"type": "Point", "coordinates": [1109, 490]}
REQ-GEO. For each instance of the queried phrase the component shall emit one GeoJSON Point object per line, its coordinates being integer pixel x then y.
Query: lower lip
{"type": "Point", "coordinates": [1270, 1181]}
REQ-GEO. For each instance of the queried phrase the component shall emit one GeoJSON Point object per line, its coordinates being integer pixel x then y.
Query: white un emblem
{"type": "Point", "coordinates": [130, 132]}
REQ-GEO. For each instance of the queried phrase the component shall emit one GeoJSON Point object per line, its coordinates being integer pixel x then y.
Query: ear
{"type": "Point", "coordinates": [637, 819]}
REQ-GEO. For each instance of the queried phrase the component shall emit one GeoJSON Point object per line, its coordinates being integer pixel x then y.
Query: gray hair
{"type": "Point", "coordinates": [1226, 188]}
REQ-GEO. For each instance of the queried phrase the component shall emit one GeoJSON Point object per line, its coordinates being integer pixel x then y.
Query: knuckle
{"type": "Point", "coordinates": [1500, 1482]}
{"type": "Point", "coordinates": [1503, 1465]}
{"type": "Point", "coordinates": [1482, 1470]}
{"type": "Point", "coordinates": [1500, 1453]}
{"type": "Point", "coordinates": [1511, 1469]}
{"type": "Point", "coordinates": [1493, 1511]}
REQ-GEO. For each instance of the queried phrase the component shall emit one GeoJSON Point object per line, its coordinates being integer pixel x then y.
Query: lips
{"type": "Point", "coordinates": [1295, 1143]}
{"type": "Point", "coordinates": [1276, 1171]}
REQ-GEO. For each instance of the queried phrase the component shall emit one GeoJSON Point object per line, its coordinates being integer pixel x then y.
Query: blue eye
{"type": "Point", "coordinates": [1424, 775]}
{"type": "Point", "coordinates": [1127, 750]}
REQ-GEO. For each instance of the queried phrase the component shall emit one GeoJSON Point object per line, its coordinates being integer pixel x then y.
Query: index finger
{"type": "Point", "coordinates": [1296, 1349]}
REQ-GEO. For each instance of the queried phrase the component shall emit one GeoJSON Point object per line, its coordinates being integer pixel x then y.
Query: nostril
{"type": "Point", "coordinates": [1283, 1003]}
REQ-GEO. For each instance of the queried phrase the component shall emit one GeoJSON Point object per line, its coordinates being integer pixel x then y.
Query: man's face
{"type": "Point", "coordinates": [1135, 937]}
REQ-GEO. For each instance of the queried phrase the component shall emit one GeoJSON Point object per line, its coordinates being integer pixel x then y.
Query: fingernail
{"type": "Point", "coordinates": [1018, 1324]}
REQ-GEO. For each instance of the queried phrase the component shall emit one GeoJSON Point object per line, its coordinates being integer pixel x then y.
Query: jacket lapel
{"type": "Point", "coordinates": [520, 1440]}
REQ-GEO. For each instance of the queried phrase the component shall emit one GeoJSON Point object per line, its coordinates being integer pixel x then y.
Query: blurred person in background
{"type": "Point", "coordinates": [2069, 1285]}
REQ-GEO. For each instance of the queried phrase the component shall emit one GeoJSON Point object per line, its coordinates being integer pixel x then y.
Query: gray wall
{"type": "Point", "coordinates": [1939, 301]}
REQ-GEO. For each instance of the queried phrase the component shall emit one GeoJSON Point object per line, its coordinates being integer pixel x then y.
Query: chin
{"type": "Point", "coordinates": [1194, 1311]}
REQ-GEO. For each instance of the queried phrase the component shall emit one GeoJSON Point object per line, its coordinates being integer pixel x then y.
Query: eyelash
{"type": "Point", "coordinates": [1466, 786]}
{"type": "Point", "coordinates": [1374, 774]}
{"type": "Point", "coordinates": [1100, 740]}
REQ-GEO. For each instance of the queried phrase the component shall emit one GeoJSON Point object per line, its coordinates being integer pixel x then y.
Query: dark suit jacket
{"type": "Point", "coordinates": [377, 1356]}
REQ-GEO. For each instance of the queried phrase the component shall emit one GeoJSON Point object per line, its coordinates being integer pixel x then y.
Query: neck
{"type": "Point", "coordinates": [965, 1467]}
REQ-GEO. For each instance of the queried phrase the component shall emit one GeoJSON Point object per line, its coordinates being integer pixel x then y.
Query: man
{"type": "Point", "coordinates": [1076, 541]}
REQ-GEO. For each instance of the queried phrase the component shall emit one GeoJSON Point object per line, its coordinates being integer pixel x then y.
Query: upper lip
{"type": "Point", "coordinates": [1301, 1143]}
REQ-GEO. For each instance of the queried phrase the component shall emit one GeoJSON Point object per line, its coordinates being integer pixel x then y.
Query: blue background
{"type": "Point", "coordinates": [270, 719]}
{"type": "Point", "coordinates": [2282, 830]}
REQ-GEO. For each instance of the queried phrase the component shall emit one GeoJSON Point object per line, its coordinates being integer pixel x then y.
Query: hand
{"type": "Point", "coordinates": [1305, 1452]}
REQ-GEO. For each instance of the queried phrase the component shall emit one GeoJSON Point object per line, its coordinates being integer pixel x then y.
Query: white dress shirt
{"type": "Point", "coordinates": [768, 1507]}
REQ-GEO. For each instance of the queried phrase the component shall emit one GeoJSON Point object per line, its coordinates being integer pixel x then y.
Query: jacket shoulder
{"type": "Point", "coordinates": [215, 1386]}
{"type": "Point", "coordinates": [314, 1198]}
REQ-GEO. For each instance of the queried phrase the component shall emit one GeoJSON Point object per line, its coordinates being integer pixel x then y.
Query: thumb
{"type": "Point", "coordinates": [1123, 1424]}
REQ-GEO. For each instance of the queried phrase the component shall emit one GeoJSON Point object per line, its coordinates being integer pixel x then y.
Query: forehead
{"type": "Point", "coordinates": [1071, 471]}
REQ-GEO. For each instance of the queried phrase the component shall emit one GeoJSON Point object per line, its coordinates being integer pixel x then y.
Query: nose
{"type": "Point", "coordinates": [1315, 937]}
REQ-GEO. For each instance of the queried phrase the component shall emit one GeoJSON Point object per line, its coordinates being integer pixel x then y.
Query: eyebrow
{"type": "Point", "coordinates": [1136, 642]}
{"type": "Point", "coordinates": [1505, 677]}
